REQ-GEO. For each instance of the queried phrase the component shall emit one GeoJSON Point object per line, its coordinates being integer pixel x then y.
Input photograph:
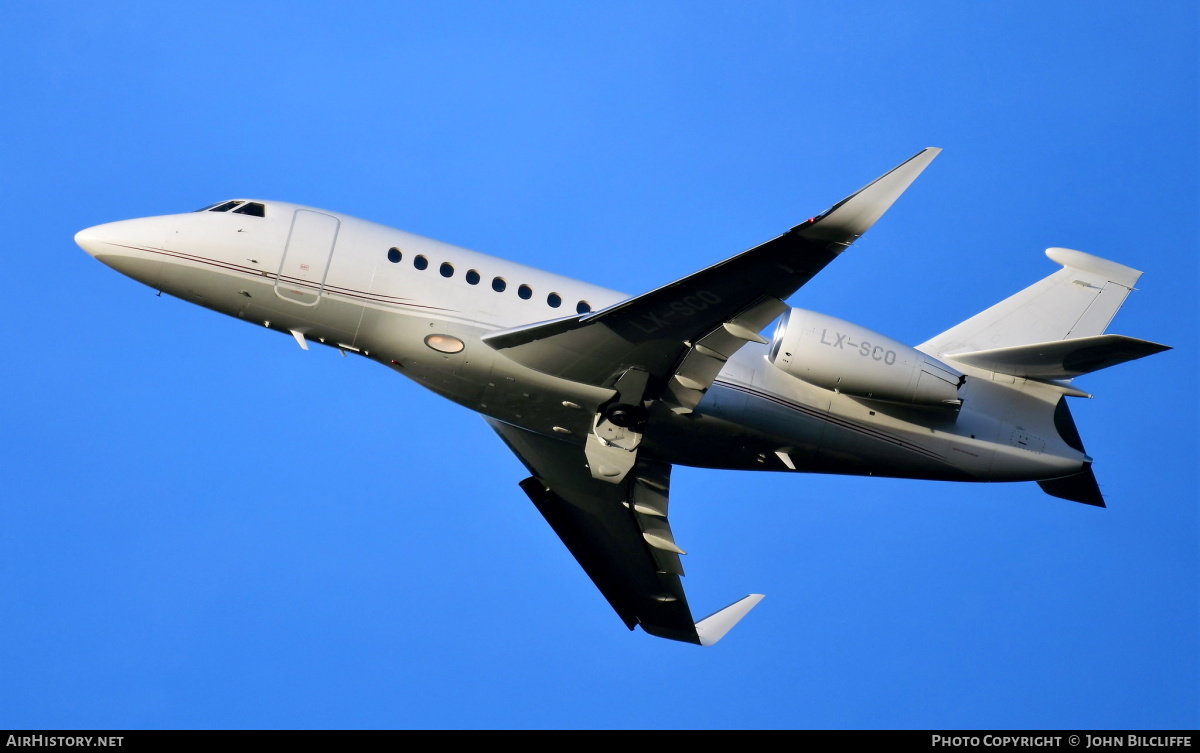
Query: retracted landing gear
{"type": "Point", "coordinates": [611, 448]}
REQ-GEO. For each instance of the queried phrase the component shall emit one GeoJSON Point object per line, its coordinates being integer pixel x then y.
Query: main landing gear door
{"type": "Point", "coordinates": [306, 258]}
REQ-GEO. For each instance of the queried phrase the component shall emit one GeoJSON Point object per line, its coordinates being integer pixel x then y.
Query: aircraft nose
{"type": "Point", "coordinates": [89, 239]}
{"type": "Point", "coordinates": [132, 247]}
{"type": "Point", "coordinates": [126, 237]}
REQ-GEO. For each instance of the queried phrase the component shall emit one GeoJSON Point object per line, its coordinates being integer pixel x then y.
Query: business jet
{"type": "Point", "coordinates": [601, 394]}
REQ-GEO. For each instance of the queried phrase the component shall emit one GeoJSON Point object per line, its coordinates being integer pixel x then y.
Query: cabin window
{"type": "Point", "coordinates": [394, 256]}
{"type": "Point", "coordinates": [420, 262]}
{"type": "Point", "coordinates": [447, 269]}
{"type": "Point", "coordinates": [498, 284]}
{"type": "Point", "coordinates": [525, 292]}
{"type": "Point", "coordinates": [583, 307]}
{"type": "Point", "coordinates": [252, 208]}
{"type": "Point", "coordinates": [554, 300]}
{"type": "Point", "coordinates": [472, 277]}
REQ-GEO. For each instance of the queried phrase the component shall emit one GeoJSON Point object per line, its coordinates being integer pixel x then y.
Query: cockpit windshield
{"type": "Point", "coordinates": [252, 208]}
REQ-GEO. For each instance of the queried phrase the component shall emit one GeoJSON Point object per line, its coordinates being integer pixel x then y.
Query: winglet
{"type": "Point", "coordinates": [854, 215]}
{"type": "Point", "coordinates": [714, 627]}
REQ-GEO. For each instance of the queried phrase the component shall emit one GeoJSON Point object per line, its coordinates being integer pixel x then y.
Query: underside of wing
{"type": "Point", "coordinates": [619, 534]}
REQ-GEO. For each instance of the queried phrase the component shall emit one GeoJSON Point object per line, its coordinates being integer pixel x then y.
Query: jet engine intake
{"type": "Point", "coordinates": [834, 354]}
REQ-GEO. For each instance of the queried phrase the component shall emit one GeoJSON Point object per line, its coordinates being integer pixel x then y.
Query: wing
{"type": "Point", "coordinates": [608, 505]}
{"type": "Point", "coordinates": [682, 333]}
{"type": "Point", "coordinates": [620, 535]}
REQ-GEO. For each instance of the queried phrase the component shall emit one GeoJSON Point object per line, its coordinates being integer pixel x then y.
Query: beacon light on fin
{"type": "Point", "coordinates": [714, 627]}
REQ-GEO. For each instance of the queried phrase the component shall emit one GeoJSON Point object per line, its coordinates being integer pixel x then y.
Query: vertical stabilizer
{"type": "Point", "coordinates": [1079, 300]}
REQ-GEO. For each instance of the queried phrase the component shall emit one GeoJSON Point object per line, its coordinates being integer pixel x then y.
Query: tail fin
{"type": "Point", "coordinates": [1053, 330]}
{"type": "Point", "coordinates": [1079, 300]}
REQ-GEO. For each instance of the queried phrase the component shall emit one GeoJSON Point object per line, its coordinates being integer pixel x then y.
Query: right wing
{"type": "Point", "coordinates": [619, 534]}
{"type": "Point", "coordinates": [668, 345]}
{"type": "Point", "coordinates": [688, 328]}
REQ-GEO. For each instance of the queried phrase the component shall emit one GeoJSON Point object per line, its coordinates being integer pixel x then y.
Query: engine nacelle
{"type": "Point", "coordinates": [832, 353]}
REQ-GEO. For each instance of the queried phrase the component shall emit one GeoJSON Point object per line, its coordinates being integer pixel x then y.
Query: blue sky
{"type": "Point", "coordinates": [203, 526]}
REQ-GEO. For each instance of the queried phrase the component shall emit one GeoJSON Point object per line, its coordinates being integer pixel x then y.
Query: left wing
{"type": "Point", "coordinates": [620, 535]}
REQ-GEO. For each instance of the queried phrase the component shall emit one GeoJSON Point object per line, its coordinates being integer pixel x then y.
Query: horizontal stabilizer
{"type": "Point", "coordinates": [1081, 487]}
{"type": "Point", "coordinates": [1061, 359]}
{"type": "Point", "coordinates": [714, 627]}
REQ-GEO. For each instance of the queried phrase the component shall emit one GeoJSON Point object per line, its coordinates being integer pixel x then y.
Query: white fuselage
{"type": "Point", "coordinates": [363, 287]}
